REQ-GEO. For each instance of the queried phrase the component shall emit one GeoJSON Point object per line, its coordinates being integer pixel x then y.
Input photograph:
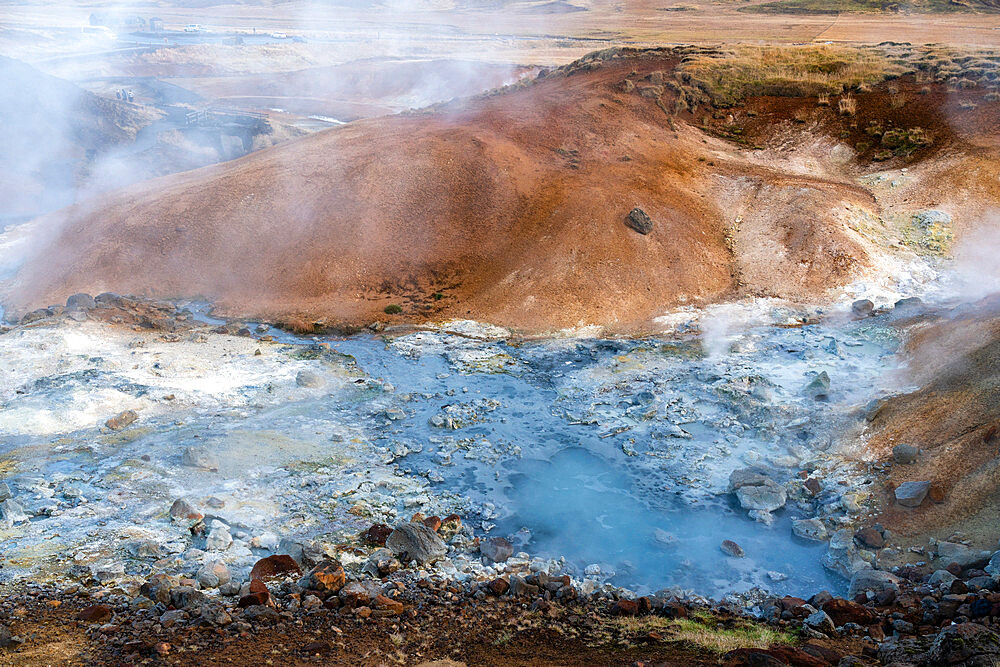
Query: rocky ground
{"type": "Point", "coordinates": [204, 571]}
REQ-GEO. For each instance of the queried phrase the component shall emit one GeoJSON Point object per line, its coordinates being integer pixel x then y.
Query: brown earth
{"type": "Point", "coordinates": [510, 208]}
{"type": "Point", "coordinates": [955, 419]}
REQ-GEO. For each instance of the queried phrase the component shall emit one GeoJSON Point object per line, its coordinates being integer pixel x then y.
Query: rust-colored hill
{"type": "Point", "coordinates": [509, 208]}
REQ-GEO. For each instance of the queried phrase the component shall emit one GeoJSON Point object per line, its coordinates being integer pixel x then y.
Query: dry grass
{"type": "Point", "coordinates": [848, 105]}
{"type": "Point", "coordinates": [732, 74]}
{"type": "Point", "coordinates": [706, 632]}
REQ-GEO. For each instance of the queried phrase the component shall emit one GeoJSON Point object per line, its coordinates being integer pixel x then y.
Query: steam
{"type": "Point", "coordinates": [977, 260]}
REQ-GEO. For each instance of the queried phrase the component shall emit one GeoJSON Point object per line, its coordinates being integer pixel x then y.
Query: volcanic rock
{"type": "Point", "coordinates": [213, 574]}
{"type": "Point", "coordinates": [183, 510]}
{"type": "Point", "coordinates": [328, 577]}
{"type": "Point", "coordinates": [95, 613]}
{"type": "Point", "coordinates": [639, 221]}
{"type": "Point", "coordinates": [415, 541]}
{"type": "Point", "coordinates": [869, 538]}
{"type": "Point", "coordinates": [968, 644]}
{"type": "Point", "coordinates": [862, 307]}
{"type": "Point", "coordinates": [846, 611]}
{"type": "Point", "coordinates": [121, 420]}
{"type": "Point", "coordinates": [80, 301]}
{"type": "Point", "coordinates": [953, 552]}
{"type": "Point", "coordinates": [377, 534]}
{"type": "Point", "coordinates": [876, 581]}
{"type": "Point", "coordinates": [821, 621]}
{"type": "Point", "coordinates": [819, 387]}
{"type": "Point", "coordinates": [274, 566]}
{"type": "Point", "coordinates": [810, 529]}
{"type": "Point", "coordinates": [904, 453]}
{"type": "Point", "coordinates": [765, 498]}
{"type": "Point", "coordinates": [730, 548]}
{"type": "Point", "coordinates": [911, 494]}
{"type": "Point", "coordinates": [497, 549]}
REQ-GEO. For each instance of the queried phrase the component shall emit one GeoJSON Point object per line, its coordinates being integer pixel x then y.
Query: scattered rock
{"type": "Point", "coordinates": [905, 454]}
{"type": "Point", "coordinates": [862, 307]}
{"type": "Point", "coordinates": [911, 494]}
{"type": "Point", "coordinates": [875, 581]}
{"type": "Point", "coordinates": [765, 498]}
{"type": "Point", "coordinates": [869, 538]}
{"type": "Point", "coordinates": [213, 574]}
{"type": "Point", "coordinates": [6, 639]}
{"type": "Point", "coordinates": [497, 549]}
{"type": "Point", "coordinates": [81, 301]}
{"type": "Point", "coordinates": [415, 541]}
{"type": "Point", "coordinates": [274, 566]}
{"type": "Point", "coordinates": [846, 611]}
{"type": "Point", "coordinates": [11, 513]}
{"type": "Point", "coordinates": [122, 420]}
{"type": "Point", "coordinates": [182, 510]}
{"type": "Point", "coordinates": [218, 538]}
{"type": "Point", "coordinates": [953, 552]}
{"type": "Point", "coordinates": [199, 457]}
{"type": "Point", "coordinates": [730, 548]}
{"type": "Point", "coordinates": [819, 387]}
{"type": "Point", "coordinates": [328, 577]}
{"type": "Point", "coordinates": [822, 622]}
{"type": "Point", "coordinates": [968, 644]}
{"type": "Point", "coordinates": [95, 613]}
{"type": "Point", "coordinates": [810, 529]}
{"type": "Point", "coordinates": [639, 221]}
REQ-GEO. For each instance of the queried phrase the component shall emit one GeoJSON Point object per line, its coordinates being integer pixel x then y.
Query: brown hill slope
{"type": "Point", "coordinates": [509, 208]}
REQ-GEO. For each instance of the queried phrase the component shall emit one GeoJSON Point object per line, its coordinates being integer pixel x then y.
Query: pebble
{"type": "Point", "coordinates": [730, 548]}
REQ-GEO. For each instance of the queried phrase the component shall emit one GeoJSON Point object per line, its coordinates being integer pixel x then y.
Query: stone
{"type": "Point", "coordinates": [911, 494]}
{"type": "Point", "coordinates": [308, 379]}
{"type": "Point", "coordinates": [81, 301]}
{"type": "Point", "coordinates": [625, 607]}
{"type": "Point", "coordinates": [905, 454]}
{"type": "Point", "coordinates": [327, 577]}
{"type": "Point", "coordinates": [822, 622]}
{"type": "Point", "coordinates": [497, 549]}
{"type": "Point", "coordinates": [187, 597]}
{"type": "Point", "coordinates": [869, 538]}
{"type": "Point", "coordinates": [862, 307]}
{"type": "Point", "coordinates": [847, 611]}
{"type": "Point", "coordinates": [199, 457]}
{"type": "Point", "coordinates": [172, 617]}
{"type": "Point", "coordinates": [415, 541]}
{"type": "Point", "coordinates": [216, 614]}
{"type": "Point", "coordinates": [389, 606]}
{"type": "Point", "coordinates": [819, 387]}
{"type": "Point", "coordinates": [953, 552]}
{"type": "Point", "coordinates": [355, 594]}
{"type": "Point", "coordinates": [218, 538]}
{"type": "Point", "coordinates": [942, 579]}
{"type": "Point", "coordinates": [6, 638]}
{"type": "Point", "coordinates": [122, 420]}
{"type": "Point", "coordinates": [498, 586]}
{"type": "Point", "coordinates": [876, 581]}
{"type": "Point", "coordinates": [730, 548]}
{"type": "Point", "coordinates": [377, 534]}
{"type": "Point", "coordinates": [812, 485]}
{"type": "Point", "coordinates": [766, 497]}
{"type": "Point", "coordinates": [936, 493]}
{"type": "Point", "coordinates": [182, 510]}
{"type": "Point", "coordinates": [11, 513]}
{"type": "Point", "coordinates": [274, 566]}
{"type": "Point", "coordinates": [450, 526]}
{"type": "Point", "coordinates": [95, 613]}
{"type": "Point", "coordinates": [968, 644]}
{"type": "Point", "coordinates": [5, 492]}
{"type": "Point", "coordinates": [908, 304]}
{"type": "Point", "coordinates": [810, 529]}
{"type": "Point", "coordinates": [993, 567]}
{"type": "Point", "coordinates": [637, 220]}
{"type": "Point", "coordinates": [213, 574]}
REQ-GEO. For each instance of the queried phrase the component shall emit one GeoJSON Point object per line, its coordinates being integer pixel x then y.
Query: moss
{"type": "Point", "coordinates": [393, 309]}
{"type": "Point", "coordinates": [706, 632]}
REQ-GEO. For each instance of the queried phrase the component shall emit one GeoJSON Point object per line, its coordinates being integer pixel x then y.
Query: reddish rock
{"type": "Point", "coordinates": [674, 609]}
{"type": "Point", "coordinates": [274, 566]}
{"type": "Point", "coordinates": [936, 493]}
{"type": "Point", "coordinates": [327, 577]}
{"type": "Point", "coordinates": [876, 632]}
{"type": "Point", "coordinates": [869, 538]}
{"type": "Point", "coordinates": [354, 595]}
{"type": "Point", "coordinates": [498, 586]}
{"type": "Point", "coordinates": [450, 526]}
{"type": "Point", "coordinates": [254, 599]}
{"type": "Point", "coordinates": [162, 649]}
{"type": "Point", "coordinates": [644, 606]}
{"type": "Point", "coordinates": [812, 485]}
{"type": "Point", "coordinates": [363, 612]}
{"type": "Point", "coordinates": [433, 522]}
{"type": "Point", "coordinates": [377, 534]}
{"type": "Point", "coordinates": [844, 611]}
{"type": "Point", "coordinates": [789, 603]}
{"type": "Point", "coordinates": [95, 613]}
{"type": "Point", "coordinates": [625, 607]}
{"type": "Point", "coordinates": [388, 605]}
{"type": "Point", "coordinates": [317, 647]}
{"type": "Point", "coordinates": [779, 655]}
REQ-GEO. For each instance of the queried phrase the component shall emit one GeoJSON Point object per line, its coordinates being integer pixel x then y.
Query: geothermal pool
{"type": "Point", "coordinates": [612, 454]}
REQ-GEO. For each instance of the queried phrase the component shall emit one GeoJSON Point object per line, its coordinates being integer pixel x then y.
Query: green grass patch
{"type": "Point", "coordinates": [706, 632]}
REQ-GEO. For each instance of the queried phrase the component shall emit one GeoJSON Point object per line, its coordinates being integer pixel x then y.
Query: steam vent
{"type": "Point", "coordinates": [523, 332]}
